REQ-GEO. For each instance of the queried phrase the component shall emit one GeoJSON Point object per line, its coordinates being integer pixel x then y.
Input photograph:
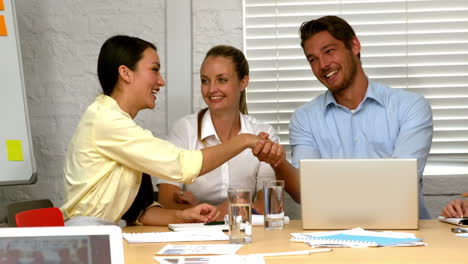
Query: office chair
{"type": "Point", "coordinates": [51, 216]}
{"type": "Point", "coordinates": [14, 208]}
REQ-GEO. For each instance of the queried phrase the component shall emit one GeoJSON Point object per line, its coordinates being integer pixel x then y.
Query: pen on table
{"type": "Point", "coordinates": [292, 253]}
{"type": "Point", "coordinates": [215, 223]}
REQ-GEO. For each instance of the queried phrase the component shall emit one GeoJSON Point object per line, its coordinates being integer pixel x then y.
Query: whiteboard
{"type": "Point", "coordinates": [17, 164]}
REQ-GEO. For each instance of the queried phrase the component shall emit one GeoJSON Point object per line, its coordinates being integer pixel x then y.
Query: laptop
{"type": "Point", "coordinates": [73, 244]}
{"type": "Point", "coordinates": [367, 193]}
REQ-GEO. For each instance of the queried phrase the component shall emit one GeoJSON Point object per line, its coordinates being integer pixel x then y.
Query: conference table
{"type": "Point", "coordinates": [442, 247]}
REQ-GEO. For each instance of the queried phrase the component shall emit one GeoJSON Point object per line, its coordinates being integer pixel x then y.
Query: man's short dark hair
{"type": "Point", "coordinates": [336, 26]}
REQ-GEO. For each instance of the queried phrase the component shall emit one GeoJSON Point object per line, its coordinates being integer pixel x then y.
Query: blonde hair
{"type": "Point", "coordinates": [240, 65]}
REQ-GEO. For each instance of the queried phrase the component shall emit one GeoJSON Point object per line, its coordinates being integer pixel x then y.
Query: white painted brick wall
{"type": "Point", "coordinates": [214, 23]}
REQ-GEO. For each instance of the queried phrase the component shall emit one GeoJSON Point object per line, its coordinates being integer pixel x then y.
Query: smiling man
{"type": "Point", "coordinates": [356, 117]}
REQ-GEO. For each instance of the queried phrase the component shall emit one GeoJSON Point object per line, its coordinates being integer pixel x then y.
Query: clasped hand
{"type": "Point", "coordinates": [268, 151]}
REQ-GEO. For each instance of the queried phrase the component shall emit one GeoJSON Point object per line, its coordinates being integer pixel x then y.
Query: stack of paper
{"type": "Point", "coordinates": [357, 237]}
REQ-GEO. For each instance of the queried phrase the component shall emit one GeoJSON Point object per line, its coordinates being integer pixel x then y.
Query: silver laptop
{"type": "Point", "coordinates": [367, 193]}
{"type": "Point", "coordinates": [74, 244]}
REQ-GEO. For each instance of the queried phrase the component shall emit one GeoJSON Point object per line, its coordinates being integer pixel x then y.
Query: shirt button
{"type": "Point", "coordinates": [356, 140]}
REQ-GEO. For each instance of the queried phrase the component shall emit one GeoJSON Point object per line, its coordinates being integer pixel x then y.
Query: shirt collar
{"type": "Point", "coordinates": [372, 92]}
{"type": "Point", "coordinates": [207, 127]}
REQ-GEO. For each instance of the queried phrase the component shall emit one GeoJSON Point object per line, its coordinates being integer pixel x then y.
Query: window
{"type": "Point", "coordinates": [418, 45]}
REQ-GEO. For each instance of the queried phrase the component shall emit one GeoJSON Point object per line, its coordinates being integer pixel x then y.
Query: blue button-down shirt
{"type": "Point", "coordinates": [388, 123]}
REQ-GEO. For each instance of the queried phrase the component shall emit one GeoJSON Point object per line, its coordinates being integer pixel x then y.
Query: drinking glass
{"type": "Point", "coordinates": [240, 216]}
{"type": "Point", "coordinates": [273, 192]}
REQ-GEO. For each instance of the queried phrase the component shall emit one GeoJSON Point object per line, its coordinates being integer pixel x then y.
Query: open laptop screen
{"type": "Point", "coordinates": [60, 245]}
{"type": "Point", "coordinates": [63, 249]}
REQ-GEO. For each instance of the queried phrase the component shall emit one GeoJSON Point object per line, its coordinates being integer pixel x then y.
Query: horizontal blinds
{"type": "Point", "coordinates": [420, 46]}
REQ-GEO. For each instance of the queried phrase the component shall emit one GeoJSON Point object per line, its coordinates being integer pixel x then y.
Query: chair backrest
{"type": "Point", "coordinates": [14, 208]}
{"type": "Point", "coordinates": [40, 217]}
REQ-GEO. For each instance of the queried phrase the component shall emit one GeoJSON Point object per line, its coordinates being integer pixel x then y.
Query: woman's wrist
{"type": "Point", "coordinates": [179, 215]}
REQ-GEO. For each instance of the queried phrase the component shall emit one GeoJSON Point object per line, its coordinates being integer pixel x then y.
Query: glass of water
{"type": "Point", "coordinates": [240, 216]}
{"type": "Point", "coordinates": [273, 192]}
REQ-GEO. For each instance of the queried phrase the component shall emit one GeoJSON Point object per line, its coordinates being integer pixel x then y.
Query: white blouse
{"type": "Point", "coordinates": [242, 171]}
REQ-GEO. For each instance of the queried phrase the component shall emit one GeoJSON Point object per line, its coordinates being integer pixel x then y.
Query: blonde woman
{"type": "Point", "coordinates": [224, 77]}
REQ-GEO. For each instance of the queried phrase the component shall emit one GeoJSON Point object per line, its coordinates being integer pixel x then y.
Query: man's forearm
{"type": "Point", "coordinates": [287, 172]}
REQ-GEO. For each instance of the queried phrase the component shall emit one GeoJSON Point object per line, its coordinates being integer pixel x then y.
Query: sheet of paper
{"type": "Point", "coordinates": [207, 249]}
{"type": "Point", "coordinates": [14, 150]}
{"type": "Point", "coordinates": [197, 227]}
{"type": "Point", "coordinates": [208, 235]}
{"type": "Point", "coordinates": [223, 259]}
{"type": "Point", "coordinates": [3, 28]}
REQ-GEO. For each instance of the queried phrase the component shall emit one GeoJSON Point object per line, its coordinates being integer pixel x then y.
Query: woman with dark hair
{"type": "Point", "coordinates": [224, 77]}
{"type": "Point", "coordinates": [109, 151]}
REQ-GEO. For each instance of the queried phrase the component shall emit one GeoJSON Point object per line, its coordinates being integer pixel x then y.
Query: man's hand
{"type": "Point", "coordinates": [456, 209]}
{"type": "Point", "coordinates": [269, 152]}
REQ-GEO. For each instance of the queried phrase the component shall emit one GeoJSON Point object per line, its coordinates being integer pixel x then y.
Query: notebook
{"type": "Point", "coordinates": [454, 221]}
{"type": "Point", "coordinates": [367, 193]}
{"type": "Point", "coordinates": [73, 244]}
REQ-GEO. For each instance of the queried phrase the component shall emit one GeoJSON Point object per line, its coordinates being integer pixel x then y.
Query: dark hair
{"type": "Point", "coordinates": [240, 65]}
{"type": "Point", "coordinates": [336, 26]}
{"type": "Point", "coordinates": [116, 51]}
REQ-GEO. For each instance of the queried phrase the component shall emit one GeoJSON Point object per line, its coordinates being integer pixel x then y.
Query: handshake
{"type": "Point", "coordinates": [268, 151]}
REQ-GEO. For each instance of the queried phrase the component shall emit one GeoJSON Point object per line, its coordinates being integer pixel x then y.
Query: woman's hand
{"type": "Point", "coordinates": [252, 140]}
{"type": "Point", "coordinates": [185, 197]}
{"type": "Point", "coordinates": [456, 209]}
{"type": "Point", "coordinates": [201, 213]}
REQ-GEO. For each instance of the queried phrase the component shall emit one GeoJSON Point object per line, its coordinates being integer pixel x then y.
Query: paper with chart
{"type": "Point", "coordinates": [207, 249]}
{"type": "Point", "coordinates": [357, 237]}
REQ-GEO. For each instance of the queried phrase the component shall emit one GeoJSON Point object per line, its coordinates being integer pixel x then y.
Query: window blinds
{"type": "Point", "coordinates": [418, 45]}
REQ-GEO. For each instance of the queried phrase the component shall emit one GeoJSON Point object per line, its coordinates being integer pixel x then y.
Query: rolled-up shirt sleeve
{"type": "Point", "coordinates": [303, 144]}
